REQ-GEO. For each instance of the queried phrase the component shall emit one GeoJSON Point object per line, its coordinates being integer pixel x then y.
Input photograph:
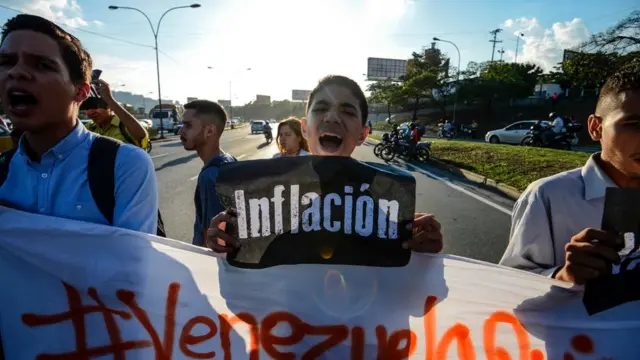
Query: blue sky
{"type": "Point", "coordinates": [290, 44]}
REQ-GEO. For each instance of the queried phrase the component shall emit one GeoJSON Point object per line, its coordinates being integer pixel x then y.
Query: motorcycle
{"type": "Point", "coordinates": [401, 148]}
{"type": "Point", "coordinates": [386, 139]}
{"type": "Point", "coordinates": [268, 136]}
{"type": "Point", "coordinates": [561, 141]}
{"type": "Point", "coordinates": [444, 134]}
{"type": "Point", "coordinates": [466, 132]}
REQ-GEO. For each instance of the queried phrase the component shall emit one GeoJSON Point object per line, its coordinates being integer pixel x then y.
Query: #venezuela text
{"type": "Point", "coordinates": [397, 344]}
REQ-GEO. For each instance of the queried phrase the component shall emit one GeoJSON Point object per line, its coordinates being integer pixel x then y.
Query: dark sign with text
{"type": "Point", "coordinates": [621, 217]}
{"type": "Point", "coordinates": [318, 210]}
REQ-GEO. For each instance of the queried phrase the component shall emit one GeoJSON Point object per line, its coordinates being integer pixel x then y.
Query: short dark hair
{"type": "Point", "coordinates": [626, 78]}
{"type": "Point", "coordinates": [75, 57]}
{"type": "Point", "coordinates": [347, 83]}
{"type": "Point", "coordinates": [211, 109]}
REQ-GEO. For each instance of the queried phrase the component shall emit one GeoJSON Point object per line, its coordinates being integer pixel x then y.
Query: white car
{"type": "Point", "coordinates": [512, 134]}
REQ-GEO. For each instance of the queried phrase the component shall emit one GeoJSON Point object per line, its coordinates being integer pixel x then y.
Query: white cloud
{"type": "Point", "coordinates": [66, 12]}
{"type": "Point", "coordinates": [545, 46]}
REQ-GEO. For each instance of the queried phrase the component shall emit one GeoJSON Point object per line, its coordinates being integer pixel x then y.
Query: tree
{"type": "Point", "coordinates": [498, 81]}
{"type": "Point", "coordinates": [428, 77]}
{"type": "Point", "coordinates": [590, 71]}
{"type": "Point", "coordinates": [386, 92]}
{"type": "Point", "coordinates": [622, 38]}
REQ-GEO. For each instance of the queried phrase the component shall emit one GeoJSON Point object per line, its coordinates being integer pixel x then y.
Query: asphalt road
{"type": "Point", "coordinates": [475, 222]}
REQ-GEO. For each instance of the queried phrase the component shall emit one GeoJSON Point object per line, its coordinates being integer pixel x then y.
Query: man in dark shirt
{"type": "Point", "coordinates": [202, 126]}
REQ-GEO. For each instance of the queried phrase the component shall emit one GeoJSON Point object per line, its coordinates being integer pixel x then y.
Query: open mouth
{"type": "Point", "coordinates": [330, 142]}
{"type": "Point", "coordinates": [21, 102]}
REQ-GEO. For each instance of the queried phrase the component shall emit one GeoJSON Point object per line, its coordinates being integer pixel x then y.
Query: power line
{"type": "Point", "coordinates": [73, 29]}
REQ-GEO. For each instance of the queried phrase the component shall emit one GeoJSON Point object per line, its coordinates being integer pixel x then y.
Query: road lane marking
{"type": "Point", "coordinates": [461, 189]}
{"type": "Point", "coordinates": [160, 155]}
{"type": "Point", "coordinates": [195, 177]}
{"type": "Point", "coordinates": [241, 156]}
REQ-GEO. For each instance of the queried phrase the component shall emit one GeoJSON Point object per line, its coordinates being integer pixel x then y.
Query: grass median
{"type": "Point", "coordinates": [516, 166]}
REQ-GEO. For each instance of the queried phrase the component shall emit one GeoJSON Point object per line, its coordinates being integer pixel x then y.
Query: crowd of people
{"type": "Point", "coordinates": [45, 76]}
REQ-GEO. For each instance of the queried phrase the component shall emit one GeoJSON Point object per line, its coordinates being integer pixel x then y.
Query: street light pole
{"type": "Point", "coordinates": [455, 98]}
{"type": "Point", "coordinates": [155, 37]}
{"type": "Point", "coordinates": [518, 45]}
{"type": "Point", "coordinates": [231, 98]}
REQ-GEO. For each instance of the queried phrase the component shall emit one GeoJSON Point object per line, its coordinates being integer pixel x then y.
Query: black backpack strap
{"type": "Point", "coordinates": [5, 159]}
{"type": "Point", "coordinates": [101, 173]}
{"type": "Point", "coordinates": [127, 138]}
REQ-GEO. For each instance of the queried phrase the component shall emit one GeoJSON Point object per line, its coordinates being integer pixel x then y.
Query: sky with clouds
{"type": "Point", "coordinates": [290, 44]}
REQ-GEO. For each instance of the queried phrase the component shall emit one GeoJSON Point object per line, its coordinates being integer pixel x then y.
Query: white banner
{"type": "Point", "coordinates": [73, 290]}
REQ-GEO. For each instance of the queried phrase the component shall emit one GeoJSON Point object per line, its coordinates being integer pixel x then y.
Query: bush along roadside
{"type": "Point", "coordinates": [515, 166]}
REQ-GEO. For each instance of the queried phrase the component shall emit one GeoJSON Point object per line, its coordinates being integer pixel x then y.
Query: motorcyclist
{"type": "Point", "coordinates": [266, 130]}
{"type": "Point", "coordinates": [414, 138]}
{"type": "Point", "coordinates": [448, 128]}
{"type": "Point", "coordinates": [395, 133]}
{"type": "Point", "coordinates": [557, 127]}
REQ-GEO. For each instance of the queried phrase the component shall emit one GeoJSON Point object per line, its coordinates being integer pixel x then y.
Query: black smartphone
{"type": "Point", "coordinates": [95, 75]}
{"type": "Point", "coordinates": [621, 216]}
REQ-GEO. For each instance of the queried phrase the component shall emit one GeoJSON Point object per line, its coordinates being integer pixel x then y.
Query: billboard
{"type": "Point", "coordinates": [300, 95]}
{"type": "Point", "coordinates": [190, 99]}
{"type": "Point", "coordinates": [263, 99]}
{"type": "Point", "coordinates": [382, 69]}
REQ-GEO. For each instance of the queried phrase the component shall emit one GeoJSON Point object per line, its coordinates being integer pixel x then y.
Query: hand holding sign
{"type": "Point", "coordinates": [588, 256]}
{"type": "Point", "coordinates": [216, 238]}
{"type": "Point", "coordinates": [426, 236]}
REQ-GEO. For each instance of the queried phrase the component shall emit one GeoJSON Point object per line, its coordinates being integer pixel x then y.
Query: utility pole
{"type": "Point", "coordinates": [494, 41]}
{"type": "Point", "coordinates": [501, 52]}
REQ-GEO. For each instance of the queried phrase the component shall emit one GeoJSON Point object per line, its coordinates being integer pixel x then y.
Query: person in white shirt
{"type": "Point", "coordinates": [290, 140]}
{"type": "Point", "coordinates": [558, 123]}
{"type": "Point", "coordinates": [555, 228]}
{"type": "Point", "coordinates": [557, 128]}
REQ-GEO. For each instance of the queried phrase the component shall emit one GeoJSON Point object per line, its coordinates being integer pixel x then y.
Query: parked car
{"type": "Point", "coordinates": [5, 139]}
{"type": "Point", "coordinates": [257, 126]}
{"type": "Point", "coordinates": [512, 134]}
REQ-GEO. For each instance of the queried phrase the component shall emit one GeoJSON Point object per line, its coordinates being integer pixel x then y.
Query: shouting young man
{"type": "Point", "coordinates": [335, 125]}
{"type": "Point", "coordinates": [202, 125]}
{"type": "Point", "coordinates": [555, 230]}
{"type": "Point", "coordinates": [60, 168]}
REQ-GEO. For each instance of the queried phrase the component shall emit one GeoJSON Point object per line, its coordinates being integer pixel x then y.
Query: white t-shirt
{"type": "Point", "coordinates": [301, 153]}
{"type": "Point", "coordinates": [558, 125]}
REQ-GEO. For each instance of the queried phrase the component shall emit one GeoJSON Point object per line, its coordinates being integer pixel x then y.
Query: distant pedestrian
{"type": "Point", "coordinates": [554, 99]}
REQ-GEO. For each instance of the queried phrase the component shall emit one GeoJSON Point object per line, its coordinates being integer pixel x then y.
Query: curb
{"type": "Point", "coordinates": [507, 190]}
{"type": "Point", "coordinates": [510, 191]}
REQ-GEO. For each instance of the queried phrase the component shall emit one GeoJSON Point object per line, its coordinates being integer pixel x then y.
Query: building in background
{"type": "Point", "coordinates": [190, 99]}
{"type": "Point", "coordinates": [300, 95]}
{"type": "Point", "coordinates": [263, 99]}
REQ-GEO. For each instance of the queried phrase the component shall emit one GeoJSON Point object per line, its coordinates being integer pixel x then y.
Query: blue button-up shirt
{"type": "Point", "coordinates": [58, 185]}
